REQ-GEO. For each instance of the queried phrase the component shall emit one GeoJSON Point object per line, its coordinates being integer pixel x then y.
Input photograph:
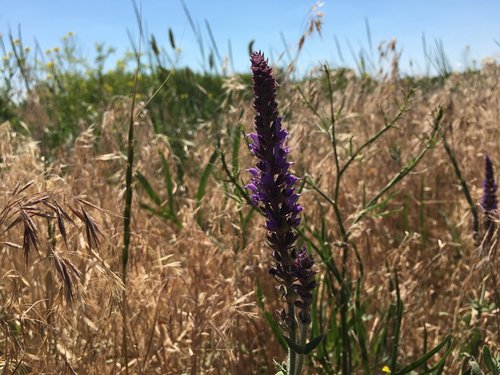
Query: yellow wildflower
{"type": "Point", "coordinates": [386, 369]}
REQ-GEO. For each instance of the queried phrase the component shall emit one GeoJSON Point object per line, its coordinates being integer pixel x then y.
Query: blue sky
{"type": "Point", "coordinates": [458, 23]}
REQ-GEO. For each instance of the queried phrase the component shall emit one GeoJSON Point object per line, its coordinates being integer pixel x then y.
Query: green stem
{"type": "Point", "coordinates": [344, 328]}
{"type": "Point", "coordinates": [292, 332]}
{"type": "Point", "coordinates": [402, 173]}
{"type": "Point", "coordinates": [127, 212]}
{"type": "Point", "coordinates": [302, 343]}
{"type": "Point", "coordinates": [465, 188]}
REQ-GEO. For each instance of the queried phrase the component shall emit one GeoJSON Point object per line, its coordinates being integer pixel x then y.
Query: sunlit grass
{"type": "Point", "coordinates": [392, 168]}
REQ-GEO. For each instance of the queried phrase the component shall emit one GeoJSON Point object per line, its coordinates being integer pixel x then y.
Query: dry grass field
{"type": "Point", "coordinates": [198, 286]}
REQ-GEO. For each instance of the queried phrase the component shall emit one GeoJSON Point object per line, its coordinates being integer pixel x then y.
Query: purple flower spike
{"type": "Point", "coordinates": [272, 189]}
{"type": "Point", "coordinates": [489, 201]}
{"type": "Point", "coordinates": [306, 283]}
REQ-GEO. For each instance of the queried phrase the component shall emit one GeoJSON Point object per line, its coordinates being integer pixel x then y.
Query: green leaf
{"type": "Point", "coordinates": [161, 213]}
{"type": "Point", "coordinates": [294, 346]}
{"type": "Point", "coordinates": [147, 207]}
{"type": "Point", "coordinates": [397, 323]}
{"type": "Point", "coordinates": [423, 359]}
{"type": "Point", "coordinates": [236, 149]}
{"type": "Point", "coordinates": [204, 178]}
{"type": "Point", "coordinates": [148, 188]}
{"type": "Point", "coordinates": [381, 205]}
{"type": "Point", "coordinates": [313, 344]}
{"type": "Point", "coordinates": [247, 217]}
{"type": "Point", "coordinates": [489, 361]}
{"type": "Point", "coordinates": [167, 214]}
{"type": "Point", "coordinates": [203, 182]}
{"type": "Point", "coordinates": [168, 182]}
{"type": "Point", "coordinates": [439, 366]}
{"type": "Point", "coordinates": [360, 328]}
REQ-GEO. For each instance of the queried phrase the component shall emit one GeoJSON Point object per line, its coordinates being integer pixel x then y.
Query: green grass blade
{"type": "Point", "coordinates": [360, 329]}
{"type": "Point", "coordinates": [236, 150]}
{"type": "Point", "coordinates": [204, 178]}
{"type": "Point", "coordinates": [489, 361]}
{"type": "Point", "coordinates": [168, 183]}
{"type": "Point", "coordinates": [419, 362]}
{"type": "Point", "coordinates": [397, 323]}
{"type": "Point", "coordinates": [463, 183]}
{"type": "Point", "coordinates": [152, 210]}
{"type": "Point", "coordinates": [439, 366]}
{"type": "Point", "coordinates": [148, 188]}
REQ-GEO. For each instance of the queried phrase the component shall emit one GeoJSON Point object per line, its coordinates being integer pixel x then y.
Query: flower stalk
{"type": "Point", "coordinates": [272, 190]}
{"type": "Point", "coordinates": [489, 201]}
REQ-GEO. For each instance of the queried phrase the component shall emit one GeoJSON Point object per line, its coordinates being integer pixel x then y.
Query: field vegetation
{"type": "Point", "coordinates": [151, 260]}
